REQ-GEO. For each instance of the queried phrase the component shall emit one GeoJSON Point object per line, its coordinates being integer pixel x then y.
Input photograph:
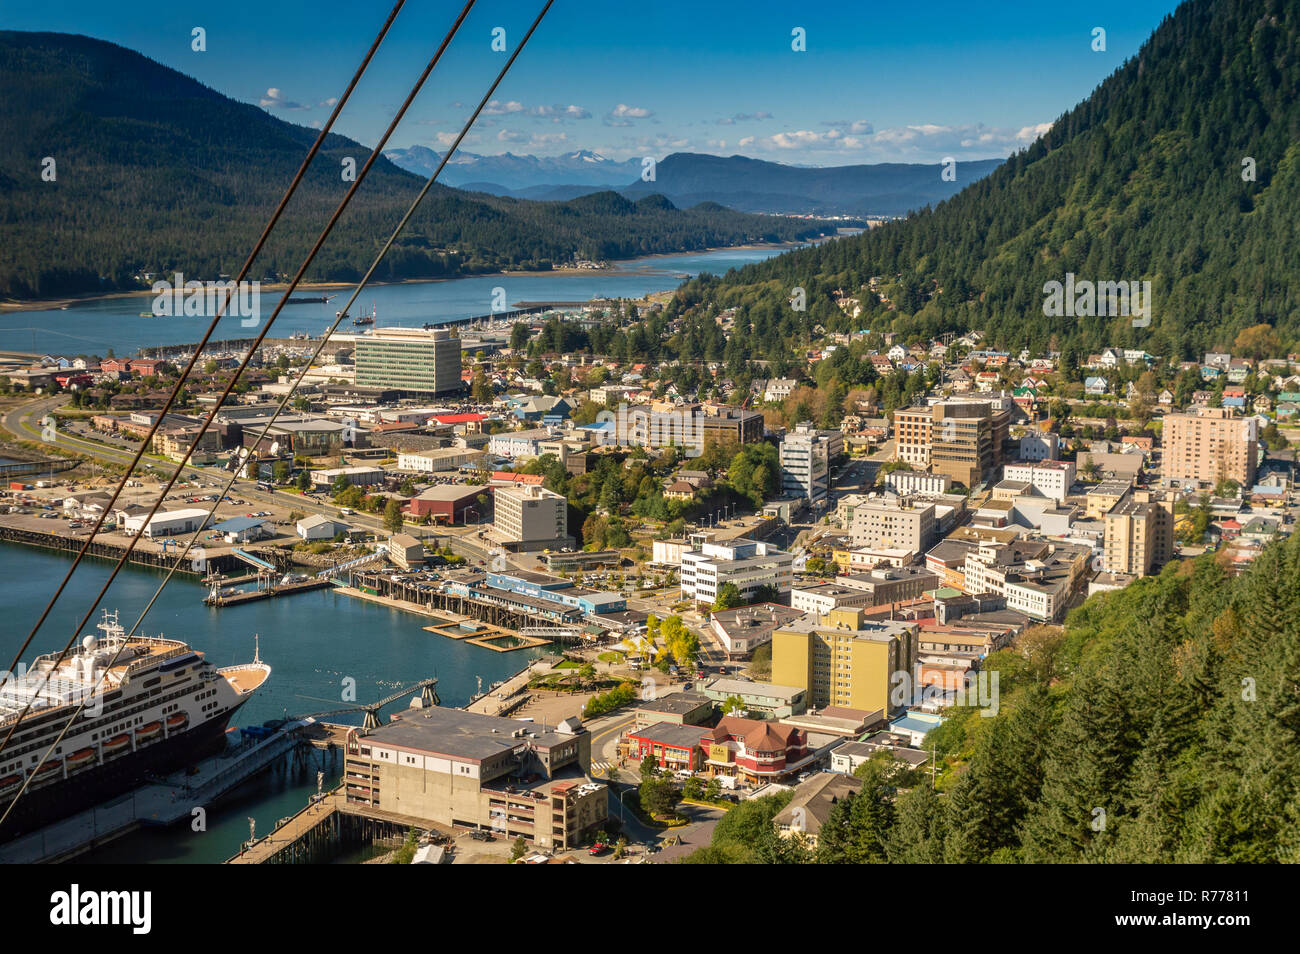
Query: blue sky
{"type": "Point", "coordinates": [879, 81]}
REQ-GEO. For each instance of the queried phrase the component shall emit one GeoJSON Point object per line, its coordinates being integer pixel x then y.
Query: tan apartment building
{"type": "Point", "coordinates": [844, 659]}
{"type": "Point", "coordinates": [1209, 445]}
{"type": "Point", "coordinates": [1139, 534]}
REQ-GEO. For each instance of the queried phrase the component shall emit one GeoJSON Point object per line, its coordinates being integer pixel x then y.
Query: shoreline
{"type": "Point", "coordinates": [10, 306]}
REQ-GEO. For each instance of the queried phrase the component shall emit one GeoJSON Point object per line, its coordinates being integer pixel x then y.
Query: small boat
{"type": "Point", "coordinates": [10, 781]}
{"type": "Point", "coordinates": [51, 765]}
{"type": "Point", "coordinates": [116, 744]}
{"type": "Point", "coordinates": [148, 731]}
{"type": "Point", "coordinates": [177, 720]}
{"type": "Point", "coordinates": [82, 758]}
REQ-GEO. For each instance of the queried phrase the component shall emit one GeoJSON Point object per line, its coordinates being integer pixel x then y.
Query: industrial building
{"type": "Point", "coordinates": [449, 503]}
{"type": "Point", "coordinates": [165, 523]}
{"type": "Point", "coordinates": [460, 769]}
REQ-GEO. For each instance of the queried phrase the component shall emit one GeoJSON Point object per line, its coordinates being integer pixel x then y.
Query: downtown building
{"type": "Point", "coordinates": [962, 439]}
{"type": "Point", "coordinates": [1139, 534]}
{"type": "Point", "coordinates": [448, 767]}
{"type": "Point", "coordinates": [890, 522]}
{"type": "Point", "coordinates": [750, 565]}
{"type": "Point", "coordinates": [530, 518]}
{"type": "Point", "coordinates": [845, 660]}
{"type": "Point", "coordinates": [413, 360]}
{"type": "Point", "coordinates": [805, 464]}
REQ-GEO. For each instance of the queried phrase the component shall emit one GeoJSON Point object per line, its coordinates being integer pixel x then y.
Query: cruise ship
{"type": "Point", "coordinates": [153, 706]}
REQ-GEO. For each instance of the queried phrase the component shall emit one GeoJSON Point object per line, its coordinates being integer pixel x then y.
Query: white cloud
{"type": "Point", "coordinates": [497, 108]}
{"type": "Point", "coordinates": [532, 140]}
{"type": "Point", "coordinates": [1029, 133]}
{"type": "Point", "coordinates": [274, 99]}
{"type": "Point", "coordinates": [622, 114]}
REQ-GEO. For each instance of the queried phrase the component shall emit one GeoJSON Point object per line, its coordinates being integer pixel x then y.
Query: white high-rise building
{"type": "Point", "coordinates": [805, 464]}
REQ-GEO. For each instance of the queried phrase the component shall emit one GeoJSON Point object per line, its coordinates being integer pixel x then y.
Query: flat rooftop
{"type": "Point", "coordinates": [456, 733]}
{"type": "Point", "coordinates": [677, 703]}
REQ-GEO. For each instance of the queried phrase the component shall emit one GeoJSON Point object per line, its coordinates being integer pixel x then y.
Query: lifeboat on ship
{"type": "Point", "coordinates": [116, 744]}
{"type": "Point", "coordinates": [148, 732]}
{"type": "Point", "coordinates": [177, 721]}
{"type": "Point", "coordinates": [51, 766]}
{"type": "Point", "coordinates": [82, 758]}
{"type": "Point", "coordinates": [10, 782]}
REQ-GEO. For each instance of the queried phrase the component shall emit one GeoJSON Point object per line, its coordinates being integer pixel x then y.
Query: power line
{"type": "Point", "coordinates": [324, 340]}
{"type": "Point", "coordinates": [329, 226]}
{"type": "Point", "coordinates": [243, 272]}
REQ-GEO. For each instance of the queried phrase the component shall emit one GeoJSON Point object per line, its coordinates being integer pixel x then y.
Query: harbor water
{"type": "Point", "coordinates": [315, 642]}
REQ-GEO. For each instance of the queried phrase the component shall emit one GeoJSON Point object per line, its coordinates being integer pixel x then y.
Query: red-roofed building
{"type": "Point", "coordinates": [755, 751]}
{"type": "Point", "coordinates": [459, 418]}
{"type": "Point", "coordinates": [74, 380]}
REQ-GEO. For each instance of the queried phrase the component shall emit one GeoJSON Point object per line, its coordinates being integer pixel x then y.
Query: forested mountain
{"type": "Point", "coordinates": [155, 172]}
{"type": "Point", "coordinates": [1162, 726]}
{"type": "Point", "coordinates": [1182, 168]}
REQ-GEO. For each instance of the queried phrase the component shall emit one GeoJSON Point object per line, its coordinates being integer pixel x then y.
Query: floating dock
{"type": "Point", "coordinates": [252, 596]}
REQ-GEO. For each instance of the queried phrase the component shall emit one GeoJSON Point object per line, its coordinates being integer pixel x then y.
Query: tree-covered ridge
{"type": "Point", "coordinates": [1141, 181]}
{"type": "Point", "coordinates": [156, 172]}
{"type": "Point", "coordinates": [1162, 725]}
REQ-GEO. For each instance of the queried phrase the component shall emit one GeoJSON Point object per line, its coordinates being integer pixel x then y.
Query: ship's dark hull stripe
{"type": "Point", "coordinates": [89, 787]}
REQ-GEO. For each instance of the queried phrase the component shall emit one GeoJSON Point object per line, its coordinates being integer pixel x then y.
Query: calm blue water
{"type": "Point", "coordinates": [94, 327]}
{"type": "Point", "coordinates": [312, 641]}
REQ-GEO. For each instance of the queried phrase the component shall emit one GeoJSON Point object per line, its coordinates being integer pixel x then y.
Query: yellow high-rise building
{"type": "Point", "coordinates": [843, 659]}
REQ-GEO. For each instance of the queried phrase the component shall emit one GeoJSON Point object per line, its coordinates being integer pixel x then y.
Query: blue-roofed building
{"type": "Point", "coordinates": [555, 589]}
{"type": "Point", "coordinates": [916, 725]}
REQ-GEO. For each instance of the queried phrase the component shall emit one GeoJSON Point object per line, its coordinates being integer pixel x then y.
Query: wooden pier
{"type": "Point", "coordinates": [111, 551]}
{"type": "Point", "coordinates": [327, 826]}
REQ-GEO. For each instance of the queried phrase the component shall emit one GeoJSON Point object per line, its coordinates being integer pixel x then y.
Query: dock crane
{"type": "Point", "coordinates": [428, 697]}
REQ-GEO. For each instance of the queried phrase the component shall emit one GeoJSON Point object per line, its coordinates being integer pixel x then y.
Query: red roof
{"type": "Point", "coordinates": [458, 418]}
{"type": "Point", "coordinates": [517, 478]}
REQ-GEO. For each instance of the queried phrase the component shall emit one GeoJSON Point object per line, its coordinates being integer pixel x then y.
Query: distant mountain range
{"type": "Point", "coordinates": [507, 172]}
{"type": "Point", "coordinates": [153, 171]}
{"type": "Point", "coordinates": [687, 179]}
